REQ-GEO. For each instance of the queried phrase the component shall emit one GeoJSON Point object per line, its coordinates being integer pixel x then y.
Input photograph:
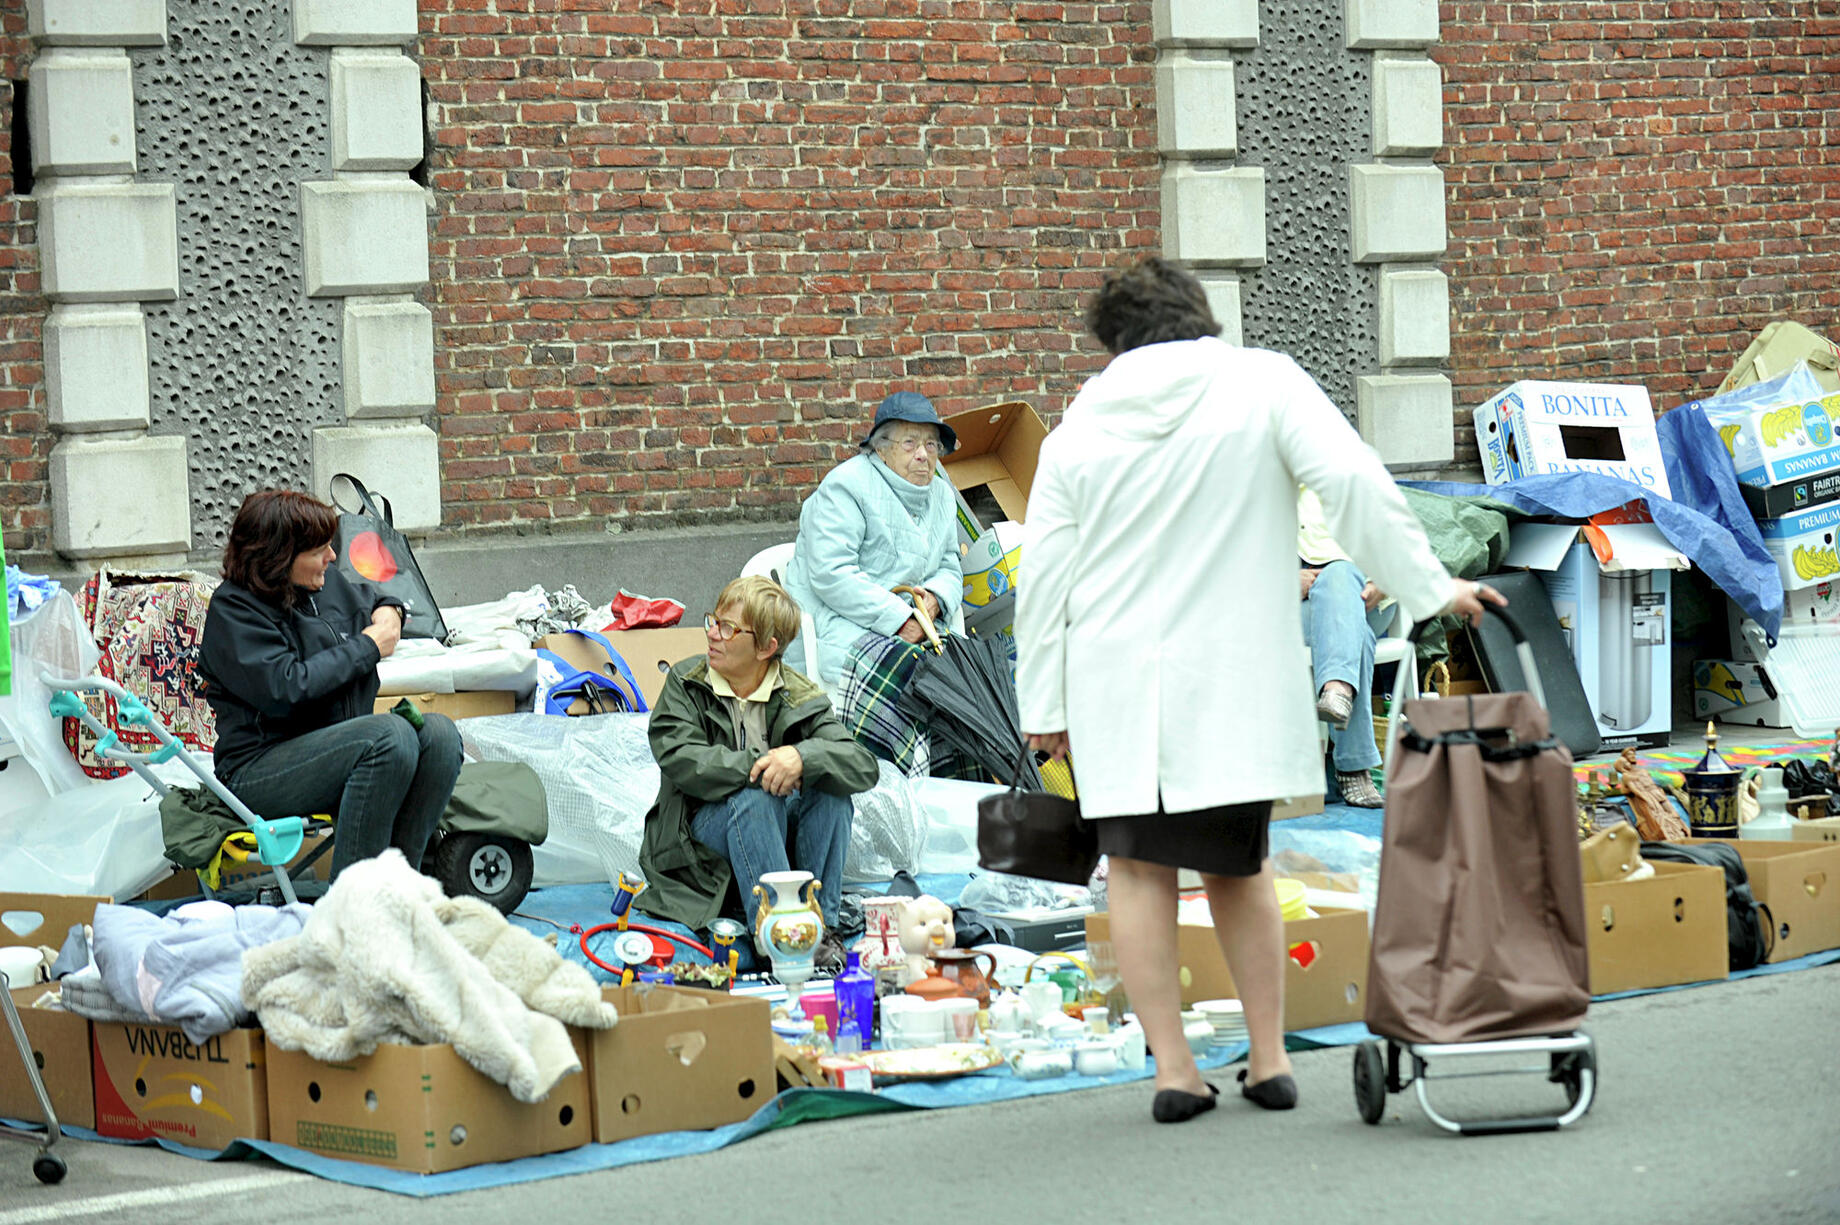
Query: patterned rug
{"type": "Point", "coordinates": [1666, 765]}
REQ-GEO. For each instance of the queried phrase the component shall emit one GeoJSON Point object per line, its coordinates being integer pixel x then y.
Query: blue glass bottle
{"type": "Point", "coordinates": [855, 989]}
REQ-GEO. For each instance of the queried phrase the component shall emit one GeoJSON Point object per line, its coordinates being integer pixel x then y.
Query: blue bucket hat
{"type": "Point", "coordinates": [912, 406]}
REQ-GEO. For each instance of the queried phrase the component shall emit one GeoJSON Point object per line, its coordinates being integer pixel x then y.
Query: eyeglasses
{"type": "Point", "coordinates": [722, 631]}
{"type": "Point", "coordinates": [910, 445]}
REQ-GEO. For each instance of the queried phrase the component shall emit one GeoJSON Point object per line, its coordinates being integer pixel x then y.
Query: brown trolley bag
{"type": "Point", "coordinates": [1479, 927]}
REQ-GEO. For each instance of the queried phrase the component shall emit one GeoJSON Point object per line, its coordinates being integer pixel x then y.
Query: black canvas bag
{"type": "Point", "coordinates": [374, 555]}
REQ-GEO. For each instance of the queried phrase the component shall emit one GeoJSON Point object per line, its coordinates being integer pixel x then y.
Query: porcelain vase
{"type": "Point", "coordinates": [787, 927]}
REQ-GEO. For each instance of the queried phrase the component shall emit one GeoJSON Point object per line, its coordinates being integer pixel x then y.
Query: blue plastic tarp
{"type": "Point", "coordinates": [1721, 541]}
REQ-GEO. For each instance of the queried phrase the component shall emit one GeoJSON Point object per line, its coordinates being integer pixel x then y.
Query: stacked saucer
{"type": "Point", "coordinates": [1227, 1018]}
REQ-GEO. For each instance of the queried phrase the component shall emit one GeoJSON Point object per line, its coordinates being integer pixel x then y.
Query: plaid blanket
{"type": "Point", "coordinates": [877, 669]}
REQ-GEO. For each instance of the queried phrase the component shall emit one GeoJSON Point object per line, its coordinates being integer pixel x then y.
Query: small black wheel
{"type": "Point", "coordinates": [1568, 1069]}
{"type": "Point", "coordinates": [1369, 1081]}
{"type": "Point", "coordinates": [488, 866]}
{"type": "Point", "coordinates": [48, 1168]}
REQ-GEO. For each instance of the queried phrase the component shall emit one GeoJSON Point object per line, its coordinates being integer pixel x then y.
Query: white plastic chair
{"type": "Point", "coordinates": [772, 562]}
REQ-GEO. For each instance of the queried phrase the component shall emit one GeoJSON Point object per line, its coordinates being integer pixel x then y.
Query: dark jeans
{"type": "Point", "coordinates": [385, 783]}
{"type": "Point", "coordinates": [759, 833]}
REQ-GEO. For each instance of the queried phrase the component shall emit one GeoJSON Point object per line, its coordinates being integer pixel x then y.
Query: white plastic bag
{"type": "Point", "coordinates": [951, 822]}
{"type": "Point", "coordinates": [101, 839]}
{"type": "Point", "coordinates": [53, 639]}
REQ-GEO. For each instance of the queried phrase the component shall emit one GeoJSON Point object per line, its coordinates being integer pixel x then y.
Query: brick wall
{"type": "Point", "coordinates": [25, 442]}
{"type": "Point", "coordinates": [1636, 188]}
{"type": "Point", "coordinates": [682, 248]}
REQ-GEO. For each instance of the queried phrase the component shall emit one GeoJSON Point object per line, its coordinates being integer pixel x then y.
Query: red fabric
{"type": "Point", "coordinates": [637, 612]}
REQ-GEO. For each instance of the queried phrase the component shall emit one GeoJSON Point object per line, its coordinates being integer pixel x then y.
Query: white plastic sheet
{"type": "Point", "coordinates": [101, 839]}
{"type": "Point", "coordinates": [52, 639]}
{"type": "Point", "coordinates": [951, 822]}
{"type": "Point", "coordinates": [887, 830]}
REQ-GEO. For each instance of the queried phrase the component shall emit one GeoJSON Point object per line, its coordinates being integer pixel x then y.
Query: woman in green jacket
{"type": "Point", "coordinates": [756, 773]}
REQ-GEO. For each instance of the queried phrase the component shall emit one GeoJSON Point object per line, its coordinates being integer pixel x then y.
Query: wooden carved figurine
{"type": "Point", "coordinates": [1656, 819]}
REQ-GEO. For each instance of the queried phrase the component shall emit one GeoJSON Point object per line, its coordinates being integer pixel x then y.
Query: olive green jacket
{"type": "Point", "coordinates": [700, 762]}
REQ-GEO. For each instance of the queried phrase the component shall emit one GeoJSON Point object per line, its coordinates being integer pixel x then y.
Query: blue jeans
{"type": "Point", "coordinates": [759, 833]}
{"type": "Point", "coordinates": [1341, 634]}
{"type": "Point", "coordinates": [385, 783]}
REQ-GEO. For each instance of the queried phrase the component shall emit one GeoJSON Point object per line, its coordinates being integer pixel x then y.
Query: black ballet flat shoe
{"type": "Point", "coordinates": [1277, 1093]}
{"type": "Point", "coordinates": [1176, 1106]}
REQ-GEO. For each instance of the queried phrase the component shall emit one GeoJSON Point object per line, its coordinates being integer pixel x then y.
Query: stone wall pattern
{"type": "Point", "coordinates": [1636, 188]}
{"type": "Point", "coordinates": [25, 427]}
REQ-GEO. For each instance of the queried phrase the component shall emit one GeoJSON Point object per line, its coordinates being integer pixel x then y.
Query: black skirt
{"type": "Point", "coordinates": [1231, 840]}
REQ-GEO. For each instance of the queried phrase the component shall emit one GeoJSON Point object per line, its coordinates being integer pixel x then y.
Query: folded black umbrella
{"type": "Point", "coordinates": [966, 695]}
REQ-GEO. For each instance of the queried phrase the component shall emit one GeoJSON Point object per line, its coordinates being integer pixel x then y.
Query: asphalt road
{"type": "Point", "coordinates": [1720, 1105]}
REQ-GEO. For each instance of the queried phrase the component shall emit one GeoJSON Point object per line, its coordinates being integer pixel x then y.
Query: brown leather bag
{"type": "Point", "coordinates": [1479, 928]}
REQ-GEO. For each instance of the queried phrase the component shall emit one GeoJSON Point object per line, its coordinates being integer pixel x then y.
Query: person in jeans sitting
{"type": "Point", "coordinates": [289, 660]}
{"type": "Point", "coordinates": [755, 772]}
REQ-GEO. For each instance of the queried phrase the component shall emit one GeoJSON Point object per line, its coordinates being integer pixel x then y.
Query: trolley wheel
{"type": "Point", "coordinates": [1369, 1081]}
{"type": "Point", "coordinates": [1568, 1069]}
{"type": "Point", "coordinates": [48, 1168]}
{"type": "Point", "coordinates": [489, 866]}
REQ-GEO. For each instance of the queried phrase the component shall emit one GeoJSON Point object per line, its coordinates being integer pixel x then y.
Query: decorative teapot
{"type": "Point", "coordinates": [933, 986]}
{"type": "Point", "coordinates": [961, 966]}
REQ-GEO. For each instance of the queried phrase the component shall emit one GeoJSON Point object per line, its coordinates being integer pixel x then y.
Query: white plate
{"type": "Point", "coordinates": [931, 1062]}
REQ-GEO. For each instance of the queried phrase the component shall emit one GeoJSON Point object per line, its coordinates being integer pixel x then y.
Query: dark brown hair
{"type": "Point", "coordinates": [1148, 304]}
{"type": "Point", "coordinates": [272, 528]}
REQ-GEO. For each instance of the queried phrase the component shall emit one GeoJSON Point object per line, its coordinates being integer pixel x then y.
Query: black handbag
{"type": "Point", "coordinates": [374, 554]}
{"type": "Point", "coordinates": [1037, 834]}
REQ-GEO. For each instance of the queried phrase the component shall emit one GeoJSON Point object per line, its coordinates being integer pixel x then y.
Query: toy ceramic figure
{"type": "Point", "coordinates": [925, 927]}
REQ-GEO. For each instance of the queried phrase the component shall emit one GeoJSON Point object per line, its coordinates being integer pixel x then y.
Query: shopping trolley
{"type": "Point", "coordinates": [47, 1167]}
{"type": "Point", "coordinates": [1478, 944]}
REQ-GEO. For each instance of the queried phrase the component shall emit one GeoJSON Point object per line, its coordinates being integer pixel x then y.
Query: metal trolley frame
{"type": "Point", "coordinates": [47, 1167]}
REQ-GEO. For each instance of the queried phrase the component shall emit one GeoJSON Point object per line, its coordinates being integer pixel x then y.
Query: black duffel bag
{"type": "Point", "coordinates": [1749, 927]}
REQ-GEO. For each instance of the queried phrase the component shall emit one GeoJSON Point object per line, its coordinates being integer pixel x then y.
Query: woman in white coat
{"type": "Point", "coordinates": [1160, 637]}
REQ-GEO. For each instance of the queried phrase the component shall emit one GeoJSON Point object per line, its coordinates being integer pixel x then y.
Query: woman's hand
{"type": "Point", "coordinates": [1470, 598]}
{"type": "Point", "coordinates": [910, 631]}
{"type": "Point", "coordinates": [385, 629]}
{"type": "Point", "coordinates": [1372, 595]}
{"type": "Point", "coordinates": [779, 771]}
{"type": "Point", "coordinates": [1307, 578]}
{"type": "Point", "coordinates": [1054, 744]}
{"type": "Point", "coordinates": [932, 604]}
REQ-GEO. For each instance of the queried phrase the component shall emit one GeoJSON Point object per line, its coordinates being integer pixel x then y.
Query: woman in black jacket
{"type": "Point", "coordinates": [289, 659]}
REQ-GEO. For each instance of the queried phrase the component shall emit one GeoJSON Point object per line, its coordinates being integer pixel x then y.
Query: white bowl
{"type": "Point", "coordinates": [1216, 1008]}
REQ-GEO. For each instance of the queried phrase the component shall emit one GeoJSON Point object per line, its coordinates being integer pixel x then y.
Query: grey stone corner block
{"type": "Point", "coordinates": [1414, 317]}
{"type": "Point", "coordinates": [108, 242]}
{"type": "Point", "coordinates": [1408, 108]}
{"type": "Point", "coordinates": [400, 461]}
{"type": "Point", "coordinates": [1223, 298]}
{"type": "Point", "coordinates": [115, 497]}
{"type": "Point", "coordinates": [1205, 23]}
{"type": "Point", "coordinates": [97, 23]}
{"type": "Point", "coordinates": [1398, 213]}
{"type": "Point", "coordinates": [389, 359]}
{"type": "Point", "coordinates": [1196, 114]}
{"type": "Point", "coordinates": [1406, 417]}
{"type": "Point", "coordinates": [376, 111]}
{"type": "Point", "coordinates": [1392, 23]}
{"type": "Point", "coordinates": [366, 237]}
{"type": "Point", "coordinates": [81, 111]}
{"type": "Point", "coordinates": [1214, 218]}
{"type": "Point", "coordinates": [351, 23]}
{"type": "Point", "coordinates": [96, 368]}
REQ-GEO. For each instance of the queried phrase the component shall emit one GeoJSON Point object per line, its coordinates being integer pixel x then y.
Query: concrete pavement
{"type": "Point", "coordinates": [1719, 1105]}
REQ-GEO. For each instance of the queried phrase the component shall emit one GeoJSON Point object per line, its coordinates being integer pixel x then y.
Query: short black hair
{"type": "Point", "coordinates": [1148, 304]}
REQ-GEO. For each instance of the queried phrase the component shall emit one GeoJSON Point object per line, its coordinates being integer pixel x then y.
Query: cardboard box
{"type": "Point", "coordinates": [152, 1081]}
{"type": "Point", "coordinates": [1822, 829]}
{"type": "Point", "coordinates": [1610, 587]}
{"type": "Point", "coordinates": [1804, 493]}
{"type": "Point", "coordinates": [990, 565]}
{"type": "Point", "coordinates": [419, 1108]}
{"type": "Point", "coordinates": [1658, 932]}
{"type": "Point", "coordinates": [468, 705]}
{"type": "Point", "coordinates": [1778, 431]}
{"type": "Point", "coordinates": [649, 653]}
{"type": "Point", "coordinates": [679, 1060]}
{"type": "Point", "coordinates": [997, 448]}
{"type": "Point", "coordinates": [1804, 545]}
{"type": "Point", "coordinates": [59, 1039]}
{"type": "Point", "coordinates": [1799, 884]}
{"type": "Point", "coordinates": [1733, 691]}
{"type": "Point", "coordinates": [1329, 990]}
{"type": "Point", "coordinates": [1533, 428]}
{"type": "Point", "coordinates": [1778, 347]}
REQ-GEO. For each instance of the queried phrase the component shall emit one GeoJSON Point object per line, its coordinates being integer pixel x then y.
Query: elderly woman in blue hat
{"type": "Point", "coordinates": [883, 518]}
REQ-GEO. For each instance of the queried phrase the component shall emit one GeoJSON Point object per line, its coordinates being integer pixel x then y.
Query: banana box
{"type": "Point", "coordinates": [1778, 432]}
{"type": "Point", "coordinates": [990, 565]}
{"type": "Point", "coordinates": [1804, 546]}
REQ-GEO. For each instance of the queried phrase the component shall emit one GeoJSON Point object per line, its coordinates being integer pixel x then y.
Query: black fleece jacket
{"type": "Point", "coordinates": [272, 674]}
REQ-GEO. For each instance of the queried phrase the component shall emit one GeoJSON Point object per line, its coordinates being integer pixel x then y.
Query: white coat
{"type": "Point", "coordinates": [1158, 607]}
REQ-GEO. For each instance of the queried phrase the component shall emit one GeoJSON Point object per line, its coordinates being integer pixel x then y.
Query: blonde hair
{"type": "Point", "coordinates": [772, 614]}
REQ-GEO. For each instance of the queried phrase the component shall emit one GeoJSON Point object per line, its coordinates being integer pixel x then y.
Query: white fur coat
{"type": "Point", "coordinates": [387, 957]}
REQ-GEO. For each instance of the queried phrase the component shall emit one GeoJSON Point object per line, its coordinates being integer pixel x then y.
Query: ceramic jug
{"type": "Point", "coordinates": [961, 966]}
